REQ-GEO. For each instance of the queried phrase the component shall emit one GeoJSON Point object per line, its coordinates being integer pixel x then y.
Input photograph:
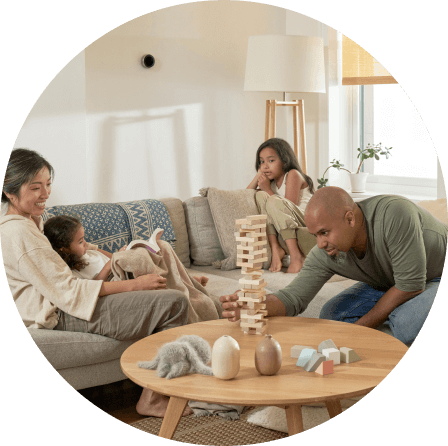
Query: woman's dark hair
{"type": "Point", "coordinates": [60, 231]}
{"type": "Point", "coordinates": [287, 157]}
{"type": "Point", "coordinates": [23, 166]}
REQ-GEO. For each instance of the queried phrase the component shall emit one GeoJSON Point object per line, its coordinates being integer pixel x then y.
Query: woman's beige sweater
{"type": "Point", "coordinates": [40, 281]}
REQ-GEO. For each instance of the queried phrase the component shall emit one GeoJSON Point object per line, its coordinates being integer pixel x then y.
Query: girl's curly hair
{"type": "Point", "coordinates": [60, 231]}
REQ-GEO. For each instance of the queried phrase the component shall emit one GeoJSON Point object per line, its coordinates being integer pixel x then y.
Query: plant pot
{"type": "Point", "coordinates": [225, 357]}
{"type": "Point", "coordinates": [358, 181]}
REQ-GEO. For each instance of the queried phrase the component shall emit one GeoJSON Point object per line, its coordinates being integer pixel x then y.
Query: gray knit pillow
{"type": "Point", "coordinates": [205, 248]}
{"type": "Point", "coordinates": [226, 207]}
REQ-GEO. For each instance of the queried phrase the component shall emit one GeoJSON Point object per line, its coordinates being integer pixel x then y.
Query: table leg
{"type": "Point", "coordinates": [174, 411]}
{"type": "Point", "coordinates": [334, 407]}
{"type": "Point", "coordinates": [294, 419]}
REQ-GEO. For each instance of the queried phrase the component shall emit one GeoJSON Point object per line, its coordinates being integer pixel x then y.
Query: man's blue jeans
{"type": "Point", "coordinates": [405, 321]}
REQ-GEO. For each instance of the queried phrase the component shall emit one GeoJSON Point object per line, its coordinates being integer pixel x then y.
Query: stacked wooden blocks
{"type": "Point", "coordinates": [251, 253]}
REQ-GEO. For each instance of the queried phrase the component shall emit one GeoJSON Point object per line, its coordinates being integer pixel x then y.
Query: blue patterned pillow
{"type": "Point", "coordinates": [111, 226]}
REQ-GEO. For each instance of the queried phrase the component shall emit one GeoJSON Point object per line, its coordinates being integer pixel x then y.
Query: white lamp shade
{"type": "Point", "coordinates": [285, 64]}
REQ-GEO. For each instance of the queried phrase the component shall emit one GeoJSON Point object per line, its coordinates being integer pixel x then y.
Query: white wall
{"type": "Point", "coordinates": [116, 131]}
{"type": "Point", "coordinates": [56, 128]}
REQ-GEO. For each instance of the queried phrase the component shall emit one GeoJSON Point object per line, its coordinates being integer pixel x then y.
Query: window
{"type": "Point", "coordinates": [387, 115]}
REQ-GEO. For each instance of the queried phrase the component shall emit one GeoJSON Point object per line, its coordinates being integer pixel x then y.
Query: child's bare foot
{"type": "Point", "coordinates": [277, 255]}
{"type": "Point", "coordinates": [202, 280]}
{"type": "Point", "coordinates": [295, 265]}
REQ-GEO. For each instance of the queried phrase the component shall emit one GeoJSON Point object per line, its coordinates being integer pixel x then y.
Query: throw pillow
{"type": "Point", "coordinates": [205, 248]}
{"type": "Point", "coordinates": [226, 207]}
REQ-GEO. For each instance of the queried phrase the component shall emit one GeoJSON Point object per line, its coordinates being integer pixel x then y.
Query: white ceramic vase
{"type": "Point", "coordinates": [358, 181]}
{"type": "Point", "coordinates": [225, 357]}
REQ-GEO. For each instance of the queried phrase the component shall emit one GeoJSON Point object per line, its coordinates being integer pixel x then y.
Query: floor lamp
{"type": "Point", "coordinates": [288, 64]}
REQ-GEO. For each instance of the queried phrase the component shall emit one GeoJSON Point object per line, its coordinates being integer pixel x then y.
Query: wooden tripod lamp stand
{"type": "Point", "coordinates": [298, 118]}
{"type": "Point", "coordinates": [286, 64]}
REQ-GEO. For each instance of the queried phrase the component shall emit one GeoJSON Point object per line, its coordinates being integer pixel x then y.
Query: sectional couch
{"type": "Point", "coordinates": [201, 231]}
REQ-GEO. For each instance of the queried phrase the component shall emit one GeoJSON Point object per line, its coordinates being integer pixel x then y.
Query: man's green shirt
{"type": "Point", "coordinates": [406, 248]}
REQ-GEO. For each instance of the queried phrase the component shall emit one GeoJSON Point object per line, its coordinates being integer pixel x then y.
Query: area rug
{"type": "Point", "coordinates": [216, 431]}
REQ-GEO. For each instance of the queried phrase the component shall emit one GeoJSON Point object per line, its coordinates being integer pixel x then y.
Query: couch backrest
{"type": "Point", "coordinates": [113, 225]}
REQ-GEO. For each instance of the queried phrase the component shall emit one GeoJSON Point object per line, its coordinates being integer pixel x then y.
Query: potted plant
{"type": "Point", "coordinates": [337, 165]}
{"type": "Point", "coordinates": [358, 178]}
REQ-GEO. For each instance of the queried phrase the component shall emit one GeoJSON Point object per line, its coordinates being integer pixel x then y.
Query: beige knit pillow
{"type": "Point", "coordinates": [226, 207]}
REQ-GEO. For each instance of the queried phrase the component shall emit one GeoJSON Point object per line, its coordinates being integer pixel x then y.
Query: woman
{"type": "Point", "coordinates": [46, 293]}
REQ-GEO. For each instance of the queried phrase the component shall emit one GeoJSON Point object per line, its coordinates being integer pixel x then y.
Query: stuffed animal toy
{"type": "Point", "coordinates": [187, 354]}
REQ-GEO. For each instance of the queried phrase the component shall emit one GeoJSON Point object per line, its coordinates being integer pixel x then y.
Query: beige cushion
{"type": "Point", "coordinates": [177, 216]}
{"type": "Point", "coordinates": [205, 248]}
{"type": "Point", "coordinates": [226, 207]}
{"type": "Point", "coordinates": [437, 208]}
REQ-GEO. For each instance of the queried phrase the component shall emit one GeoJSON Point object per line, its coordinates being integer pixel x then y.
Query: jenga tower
{"type": "Point", "coordinates": [251, 253]}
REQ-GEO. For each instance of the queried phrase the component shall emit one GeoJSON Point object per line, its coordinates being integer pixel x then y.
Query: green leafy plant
{"type": "Point", "coordinates": [337, 165]}
{"type": "Point", "coordinates": [372, 151]}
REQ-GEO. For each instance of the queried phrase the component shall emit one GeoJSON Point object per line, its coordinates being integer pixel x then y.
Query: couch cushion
{"type": "Point", "coordinates": [204, 242]}
{"type": "Point", "coordinates": [226, 207]}
{"type": "Point", "coordinates": [65, 349]}
{"type": "Point", "coordinates": [438, 208]}
{"type": "Point", "coordinates": [177, 216]}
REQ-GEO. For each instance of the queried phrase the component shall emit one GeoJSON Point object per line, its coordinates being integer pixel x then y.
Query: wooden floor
{"type": "Point", "coordinates": [117, 399]}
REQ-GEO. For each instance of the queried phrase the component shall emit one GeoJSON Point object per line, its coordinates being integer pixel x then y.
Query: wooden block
{"type": "Point", "coordinates": [257, 307]}
{"type": "Point", "coordinates": [252, 226]}
{"type": "Point", "coordinates": [253, 295]}
{"type": "Point", "coordinates": [332, 354]}
{"type": "Point", "coordinates": [326, 344]}
{"type": "Point", "coordinates": [305, 355]}
{"type": "Point", "coordinates": [260, 331]}
{"type": "Point", "coordinates": [255, 239]}
{"type": "Point", "coordinates": [326, 368]}
{"type": "Point", "coordinates": [257, 217]}
{"type": "Point", "coordinates": [252, 318]}
{"type": "Point", "coordinates": [255, 256]}
{"type": "Point", "coordinates": [249, 248]}
{"type": "Point", "coordinates": [349, 355]}
{"type": "Point", "coordinates": [257, 282]}
{"type": "Point", "coordinates": [252, 263]}
{"type": "Point", "coordinates": [316, 360]}
{"type": "Point", "coordinates": [253, 273]}
{"type": "Point", "coordinates": [245, 312]}
{"type": "Point", "coordinates": [256, 325]}
{"type": "Point", "coordinates": [297, 349]}
{"type": "Point", "coordinates": [243, 221]}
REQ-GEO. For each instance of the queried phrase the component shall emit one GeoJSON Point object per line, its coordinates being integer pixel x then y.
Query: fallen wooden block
{"type": "Point", "coordinates": [326, 344]}
{"type": "Point", "coordinates": [349, 355]}
{"type": "Point", "coordinates": [332, 354]}
{"type": "Point", "coordinates": [316, 360]}
{"type": "Point", "coordinates": [326, 368]}
{"type": "Point", "coordinates": [305, 355]}
{"type": "Point", "coordinates": [297, 349]}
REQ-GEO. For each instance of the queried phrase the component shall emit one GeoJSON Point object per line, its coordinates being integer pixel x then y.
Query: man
{"type": "Point", "coordinates": [395, 249]}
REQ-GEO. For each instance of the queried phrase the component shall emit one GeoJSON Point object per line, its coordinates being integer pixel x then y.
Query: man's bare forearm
{"type": "Point", "coordinates": [275, 306]}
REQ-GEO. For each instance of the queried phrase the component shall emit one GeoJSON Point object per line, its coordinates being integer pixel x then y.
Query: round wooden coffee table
{"type": "Point", "coordinates": [290, 388]}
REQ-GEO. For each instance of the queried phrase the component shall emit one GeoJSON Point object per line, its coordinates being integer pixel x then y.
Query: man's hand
{"type": "Point", "coordinates": [230, 307]}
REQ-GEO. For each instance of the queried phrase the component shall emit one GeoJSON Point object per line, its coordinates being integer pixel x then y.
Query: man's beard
{"type": "Point", "coordinates": [339, 258]}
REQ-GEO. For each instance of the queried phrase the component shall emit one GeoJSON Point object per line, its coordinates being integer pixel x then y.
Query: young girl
{"type": "Point", "coordinates": [66, 235]}
{"type": "Point", "coordinates": [284, 192]}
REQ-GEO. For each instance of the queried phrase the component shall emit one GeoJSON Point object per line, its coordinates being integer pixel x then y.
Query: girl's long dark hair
{"type": "Point", "coordinates": [287, 157]}
{"type": "Point", "coordinates": [60, 231]}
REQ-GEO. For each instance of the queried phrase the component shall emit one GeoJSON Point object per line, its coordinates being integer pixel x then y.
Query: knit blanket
{"type": "Point", "coordinates": [139, 261]}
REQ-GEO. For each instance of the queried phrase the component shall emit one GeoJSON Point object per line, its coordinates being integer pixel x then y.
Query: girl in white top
{"type": "Point", "coordinates": [87, 261]}
{"type": "Point", "coordinates": [284, 193]}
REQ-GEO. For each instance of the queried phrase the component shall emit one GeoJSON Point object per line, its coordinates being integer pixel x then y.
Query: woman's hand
{"type": "Point", "coordinates": [123, 248]}
{"type": "Point", "coordinates": [151, 282]}
{"type": "Point", "coordinates": [264, 183]}
{"type": "Point", "coordinates": [201, 279]}
{"type": "Point", "coordinates": [230, 307]}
